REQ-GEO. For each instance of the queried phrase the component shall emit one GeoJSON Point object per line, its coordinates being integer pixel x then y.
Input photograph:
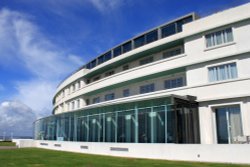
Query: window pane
{"type": "Point", "coordinates": [151, 36]}
{"type": "Point", "coordinates": [107, 56]}
{"type": "Point", "coordinates": [219, 37]}
{"type": "Point", "coordinates": [146, 60]}
{"type": "Point", "coordinates": [117, 51]}
{"type": "Point", "coordinates": [222, 72]}
{"type": "Point", "coordinates": [127, 47]}
{"type": "Point", "coordinates": [140, 41]}
{"type": "Point", "coordinates": [168, 30]}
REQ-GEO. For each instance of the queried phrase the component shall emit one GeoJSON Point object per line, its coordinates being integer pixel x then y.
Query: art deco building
{"type": "Point", "coordinates": [186, 81]}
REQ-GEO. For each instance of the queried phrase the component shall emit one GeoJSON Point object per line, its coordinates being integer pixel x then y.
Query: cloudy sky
{"type": "Point", "coordinates": [41, 42]}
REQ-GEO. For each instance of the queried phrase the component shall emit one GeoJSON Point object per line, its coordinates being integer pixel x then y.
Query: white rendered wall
{"type": "Point", "coordinates": [223, 153]}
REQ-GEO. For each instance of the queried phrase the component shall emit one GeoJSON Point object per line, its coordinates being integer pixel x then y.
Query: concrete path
{"type": "Point", "coordinates": [8, 147]}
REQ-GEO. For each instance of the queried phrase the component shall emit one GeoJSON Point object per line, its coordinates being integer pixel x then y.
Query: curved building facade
{"type": "Point", "coordinates": [186, 81]}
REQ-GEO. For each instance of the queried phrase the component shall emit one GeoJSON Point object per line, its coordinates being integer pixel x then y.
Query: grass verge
{"type": "Point", "coordinates": [49, 158]}
{"type": "Point", "coordinates": [7, 143]}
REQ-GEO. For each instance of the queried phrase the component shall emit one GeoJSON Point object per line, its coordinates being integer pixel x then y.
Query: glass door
{"type": "Point", "coordinates": [228, 123]}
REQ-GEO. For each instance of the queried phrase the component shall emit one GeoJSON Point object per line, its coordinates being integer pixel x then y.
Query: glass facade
{"type": "Point", "coordinates": [150, 121]}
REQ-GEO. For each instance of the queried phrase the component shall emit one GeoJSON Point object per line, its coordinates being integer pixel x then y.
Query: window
{"type": "Point", "coordinates": [78, 103]}
{"type": "Point", "coordinates": [146, 60]}
{"type": "Point", "coordinates": [117, 51]}
{"type": "Point", "coordinates": [126, 93]}
{"type": "Point", "coordinates": [110, 96]}
{"type": "Point", "coordinates": [228, 123]}
{"type": "Point", "coordinates": [96, 78]}
{"type": "Point", "coordinates": [125, 67]}
{"type": "Point", "coordinates": [219, 37]}
{"type": "Point", "coordinates": [109, 73]}
{"type": "Point", "coordinates": [100, 59]}
{"type": "Point", "coordinates": [151, 36]}
{"type": "Point", "coordinates": [126, 47]}
{"type": "Point", "coordinates": [72, 105]}
{"type": "Point", "coordinates": [87, 81]}
{"type": "Point", "coordinates": [96, 100]}
{"type": "Point", "coordinates": [174, 83]}
{"type": "Point", "coordinates": [172, 52]}
{"type": "Point", "coordinates": [87, 101]}
{"type": "Point", "coordinates": [140, 41]}
{"type": "Point", "coordinates": [222, 72]}
{"type": "Point", "coordinates": [147, 88]}
{"type": "Point", "coordinates": [107, 56]}
{"type": "Point", "coordinates": [168, 30]}
{"type": "Point", "coordinates": [183, 21]}
{"type": "Point", "coordinates": [93, 63]}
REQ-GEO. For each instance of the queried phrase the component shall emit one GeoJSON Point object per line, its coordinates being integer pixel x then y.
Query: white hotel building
{"type": "Point", "coordinates": [185, 82]}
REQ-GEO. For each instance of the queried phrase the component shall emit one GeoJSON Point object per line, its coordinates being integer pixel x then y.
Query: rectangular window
{"type": "Point", "coordinates": [151, 36]}
{"type": "Point", "coordinates": [87, 101]}
{"type": "Point", "coordinates": [228, 124]}
{"type": "Point", "coordinates": [127, 47]}
{"type": "Point", "coordinates": [168, 30]}
{"type": "Point", "coordinates": [100, 59]}
{"type": "Point", "coordinates": [107, 56]}
{"type": "Point", "coordinates": [146, 60]}
{"type": "Point", "coordinates": [96, 100]}
{"type": "Point", "coordinates": [183, 21]}
{"type": "Point", "coordinates": [93, 63]}
{"type": "Point", "coordinates": [125, 67]}
{"type": "Point", "coordinates": [126, 93]}
{"type": "Point", "coordinates": [109, 73]}
{"type": "Point", "coordinates": [96, 78]}
{"type": "Point", "coordinates": [140, 41]}
{"type": "Point", "coordinates": [147, 88]}
{"type": "Point", "coordinates": [72, 105]}
{"type": "Point", "coordinates": [110, 96]}
{"type": "Point", "coordinates": [78, 103]}
{"type": "Point", "coordinates": [172, 52]}
{"type": "Point", "coordinates": [219, 37]}
{"type": "Point", "coordinates": [117, 51]}
{"type": "Point", "coordinates": [222, 72]}
{"type": "Point", "coordinates": [174, 83]}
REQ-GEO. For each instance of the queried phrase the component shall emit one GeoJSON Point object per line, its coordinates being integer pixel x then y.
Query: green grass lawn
{"type": "Point", "coordinates": [41, 157]}
{"type": "Point", "coordinates": [7, 143]}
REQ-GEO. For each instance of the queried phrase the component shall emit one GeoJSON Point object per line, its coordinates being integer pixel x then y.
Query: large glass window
{"type": "Point", "coordinates": [107, 56]}
{"type": "Point", "coordinates": [147, 88]}
{"type": "Point", "coordinates": [219, 37]}
{"type": "Point", "coordinates": [140, 41]}
{"type": "Point", "coordinates": [183, 21]}
{"type": "Point", "coordinates": [168, 30]}
{"type": "Point", "coordinates": [110, 127]}
{"type": "Point", "coordinates": [126, 126]}
{"type": "Point", "coordinates": [228, 123]}
{"type": "Point", "coordinates": [174, 83]}
{"type": "Point", "coordinates": [222, 72]}
{"type": "Point", "coordinates": [117, 51]}
{"type": "Point", "coordinates": [110, 96]}
{"type": "Point", "coordinates": [151, 36]}
{"type": "Point", "coordinates": [126, 47]}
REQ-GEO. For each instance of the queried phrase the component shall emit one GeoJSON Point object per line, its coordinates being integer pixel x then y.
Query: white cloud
{"type": "Point", "coordinates": [23, 43]}
{"type": "Point", "coordinates": [106, 5]}
{"type": "Point", "coordinates": [16, 118]}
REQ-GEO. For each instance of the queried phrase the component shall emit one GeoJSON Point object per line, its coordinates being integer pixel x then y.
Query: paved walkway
{"type": "Point", "coordinates": [8, 147]}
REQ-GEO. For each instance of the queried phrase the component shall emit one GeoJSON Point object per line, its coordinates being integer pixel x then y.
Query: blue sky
{"type": "Point", "coordinates": [41, 42]}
